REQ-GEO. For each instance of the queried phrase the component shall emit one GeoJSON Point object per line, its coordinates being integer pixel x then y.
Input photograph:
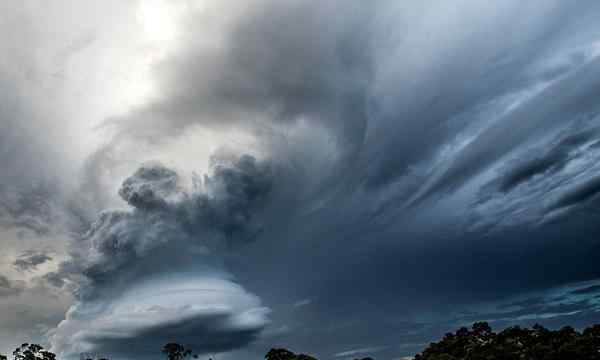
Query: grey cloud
{"type": "Point", "coordinates": [529, 168]}
{"type": "Point", "coordinates": [302, 303]}
{"type": "Point", "coordinates": [234, 191]}
{"type": "Point", "coordinates": [524, 303]}
{"type": "Point", "coordinates": [546, 182]}
{"type": "Point", "coordinates": [30, 315]}
{"type": "Point", "coordinates": [519, 126]}
{"type": "Point", "coordinates": [168, 231]}
{"type": "Point", "coordinates": [278, 65]}
{"type": "Point", "coordinates": [423, 129]}
{"type": "Point", "coordinates": [586, 290]}
{"type": "Point", "coordinates": [10, 287]}
{"type": "Point", "coordinates": [149, 187]}
{"type": "Point", "coordinates": [36, 179]}
{"type": "Point", "coordinates": [54, 279]}
{"type": "Point", "coordinates": [33, 207]}
{"type": "Point", "coordinates": [556, 156]}
{"type": "Point", "coordinates": [437, 96]}
{"type": "Point", "coordinates": [579, 193]}
{"type": "Point", "coordinates": [570, 302]}
{"type": "Point", "coordinates": [29, 190]}
{"type": "Point", "coordinates": [30, 260]}
{"type": "Point", "coordinates": [535, 311]}
{"type": "Point", "coordinates": [353, 352]}
{"type": "Point", "coordinates": [119, 239]}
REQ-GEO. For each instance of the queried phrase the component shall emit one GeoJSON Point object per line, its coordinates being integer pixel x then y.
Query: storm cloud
{"type": "Point", "coordinates": [167, 231]}
{"type": "Point", "coordinates": [335, 177]}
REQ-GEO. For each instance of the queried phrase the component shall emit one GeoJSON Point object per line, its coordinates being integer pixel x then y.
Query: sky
{"type": "Point", "coordinates": [339, 178]}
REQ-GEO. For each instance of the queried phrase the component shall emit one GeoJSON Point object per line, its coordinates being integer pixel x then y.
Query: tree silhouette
{"type": "Point", "coordinates": [477, 343]}
{"type": "Point", "coordinates": [175, 351]}
{"type": "Point", "coordinates": [279, 354]}
{"type": "Point", "coordinates": [32, 352]}
{"type": "Point", "coordinates": [284, 354]}
{"type": "Point", "coordinates": [516, 343]}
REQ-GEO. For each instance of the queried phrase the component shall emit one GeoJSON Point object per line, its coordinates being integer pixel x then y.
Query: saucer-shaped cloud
{"type": "Point", "coordinates": [206, 312]}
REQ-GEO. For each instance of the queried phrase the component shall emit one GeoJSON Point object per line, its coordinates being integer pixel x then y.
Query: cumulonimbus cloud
{"type": "Point", "coordinates": [168, 232]}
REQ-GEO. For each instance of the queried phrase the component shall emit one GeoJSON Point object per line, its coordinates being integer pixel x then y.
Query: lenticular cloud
{"type": "Point", "coordinates": [207, 311]}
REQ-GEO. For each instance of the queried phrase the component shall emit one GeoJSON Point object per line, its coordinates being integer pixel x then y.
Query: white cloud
{"type": "Point", "coordinates": [360, 351]}
{"type": "Point", "coordinates": [208, 310]}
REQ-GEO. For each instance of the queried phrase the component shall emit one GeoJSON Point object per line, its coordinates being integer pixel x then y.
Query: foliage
{"type": "Point", "coordinates": [32, 352]}
{"type": "Point", "coordinates": [477, 343]}
{"type": "Point", "coordinates": [283, 354]}
{"type": "Point", "coordinates": [515, 343]}
{"type": "Point", "coordinates": [175, 351]}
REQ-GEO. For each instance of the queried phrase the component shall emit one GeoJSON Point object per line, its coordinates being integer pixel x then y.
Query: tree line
{"type": "Point", "coordinates": [477, 343]}
{"type": "Point", "coordinates": [515, 343]}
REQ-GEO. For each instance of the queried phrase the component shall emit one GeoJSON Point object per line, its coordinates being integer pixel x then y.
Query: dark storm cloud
{"type": "Point", "coordinates": [587, 290]}
{"type": "Point", "coordinates": [553, 158]}
{"type": "Point", "coordinates": [121, 240]}
{"type": "Point", "coordinates": [548, 182]}
{"type": "Point", "coordinates": [278, 64]}
{"type": "Point", "coordinates": [172, 231]}
{"type": "Point", "coordinates": [149, 187]}
{"type": "Point", "coordinates": [578, 194]}
{"type": "Point", "coordinates": [392, 136]}
{"type": "Point", "coordinates": [30, 260]}
{"type": "Point", "coordinates": [398, 143]}
{"type": "Point", "coordinates": [572, 96]}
